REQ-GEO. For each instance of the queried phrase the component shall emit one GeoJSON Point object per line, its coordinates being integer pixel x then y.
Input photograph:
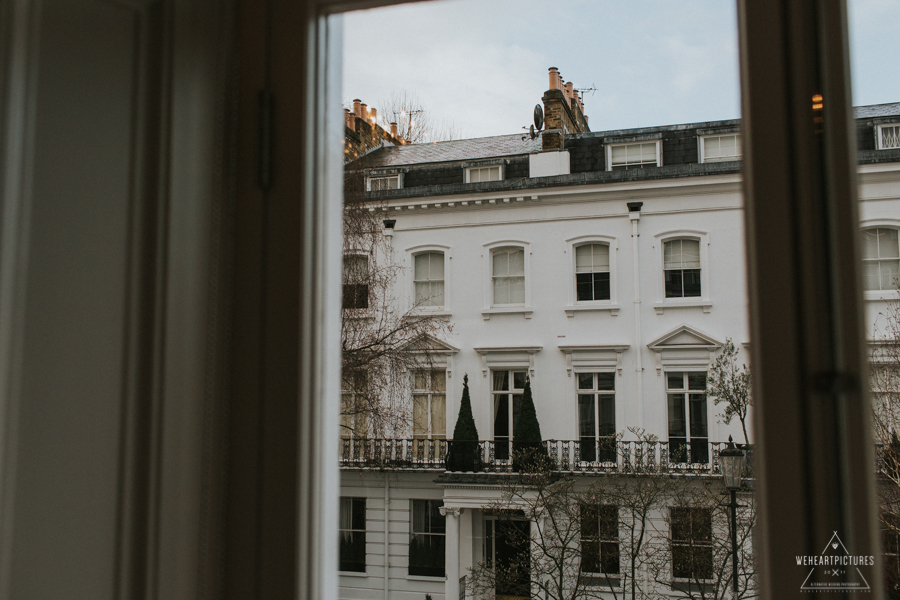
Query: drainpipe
{"type": "Point", "coordinates": [634, 213]}
{"type": "Point", "coordinates": [387, 526]}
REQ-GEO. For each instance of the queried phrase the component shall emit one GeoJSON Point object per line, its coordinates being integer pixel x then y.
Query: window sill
{"type": "Point", "coordinates": [525, 311]}
{"type": "Point", "coordinates": [660, 307]}
{"type": "Point", "coordinates": [352, 574]}
{"type": "Point", "coordinates": [876, 295]}
{"type": "Point", "coordinates": [358, 313]}
{"type": "Point", "coordinates": [421, 313]}
{"type": "Point", "coordinates": [425, 578]}
{"type": "Point", "coordinates": [571, 309]}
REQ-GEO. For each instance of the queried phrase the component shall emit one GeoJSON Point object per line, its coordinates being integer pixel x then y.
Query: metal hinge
{"type": "Point", "coordinates": [266, 102]}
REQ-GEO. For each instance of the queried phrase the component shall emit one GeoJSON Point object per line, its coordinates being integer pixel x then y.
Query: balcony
{"type": "Point", "coordinates": [607, 457]}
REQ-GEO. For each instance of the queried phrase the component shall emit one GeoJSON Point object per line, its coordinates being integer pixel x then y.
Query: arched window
{"type": "Point", "coordinates": [428, 276]}
{"type": "Point", "coordinates": [592, 272]}
{"type": "Point", "coordinates": [681, 264]}
{"type": "Point", "coordinates": [881, 258]}
{"type": "Point", "coordinates": [508, 276]}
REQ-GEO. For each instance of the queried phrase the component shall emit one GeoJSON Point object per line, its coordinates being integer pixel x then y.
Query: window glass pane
{"type": "Point", "coordinates": [587, 421]}
{"type": "Point", "coordinates": [607, 411]}
{"type": "Point", "coordinates": [601, 286]}
{"type": "Point", "coordinates": [584, 286]}
{"type": "Point", "coordinates": [439, 415]}
{"type": "Point", "coordinates": [887, 244]}
{"type": "Point", "coordinates": [516, 290]}
{"type": "Point", "coordinates": [420, 415]}
{"type": "Point", "coordinates": [422, 267]}
{"type": "Point", "coordinates": [501, 263]}
{"type": "Point", "coordinates": [519, 380]}
{"type": "Point", "coordinates": [601, 257]}
{"type": "Point", "coordinates": [698, 416]}
{"type": "Point", "coordinates": [890, 269]}
{"type": "Point", "coordinates": [438, 381]}
{"type": "Point", "coordinates": [517, 262]}
{"type": "Point", "coordinates": [583, 259]}
{"type": "Point", "coordinates": [675, 381]}
{"type": "Point", "coordinates": [870, 243]}
{"type": "Point", "coordinates": [501, 380]}
{"type": "Point", "coordinates": [501, 290]}
{"type": "Point", "coordinates": [691, 282]}
{"type": "Point", "coordinates": [690, 254]}
{"type": "Point", "coordinates": [697, 381]}
{"type": "Point", "coordinates": [436, 260]}
{"type": "Point", "coordinates": [420, 380]}
{"type": "Point", "coordinates": [606, 381]}
{"type": "Point", "coordinates": [677, 425]}
{"type": "Point", "coordinates": [871, 275]}
{"type": "Point", "coordinates": [437, 293]}
{"type": "Point", "coordinates": [674, 284]}
{"type": "Point", "coordinates": [585, 381]}
{"type": "Point", "coordinates": [672, 254]}
{"type": "Point", "coordinates": [619, 154]}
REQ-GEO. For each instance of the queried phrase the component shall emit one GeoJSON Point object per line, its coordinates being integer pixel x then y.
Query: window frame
{"type": "Point", "coordinates": [704, 300]}
{"type": "Point", "coordinates": [345, 283]}
{"type": "Point", "coordinates": [412, 532]}
{"type": "Point", "coordinates": [702, 147]}
{"type": "Point", "coordinates": [469, 169]}
{"type": "Point", "coordinates": [511, 391]}
{"type": "Point", "coordinates": [889, 294]}
{"type": "Point", "coordinates": [619, 144]}
{"type": "Point", "coordinates": [411, 253]}
{"type": "Point", "coordinates": [597, 393]}
{"type": "Point", "coordinates": [691, 544]}
{"type": "Point", "coordinates": [430, 392]}
{"type": "Point", "coordinates": [353, 530]}
{"type": "Point", "coordinates": [686, 392]}
{"type": "Point", "coordinates": [374, 177]}
{"type": "Point", "coordinates": [595, 578]}
{"type": "Point", "coordinates": [878, 135]}
{"type": "Point", "coordinates": [574, 305]}
{"type": "Point", "coordinates": [488, 256]}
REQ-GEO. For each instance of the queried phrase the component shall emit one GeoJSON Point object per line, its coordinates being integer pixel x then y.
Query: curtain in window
{"type": "Point", "coordinates": [429, 279]}
{"type": "Point", "coordinates": [682, 254]}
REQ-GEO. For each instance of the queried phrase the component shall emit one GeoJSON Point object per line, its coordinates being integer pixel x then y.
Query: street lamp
{"type": "Point", "coordinates": [732, 460]}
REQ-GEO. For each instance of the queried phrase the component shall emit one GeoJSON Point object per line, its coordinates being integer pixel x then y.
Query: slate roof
{"type": "Point", "coordinates": [474, 149]}
{"type": "Point", "coordinates": [877, 110]}
{"type": "Point", "coordinates": [514, 145]}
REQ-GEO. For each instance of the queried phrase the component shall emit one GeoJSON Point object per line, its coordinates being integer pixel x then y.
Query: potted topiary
{"type": "Point", "coordinates": [463, 452]}
{"type": "Point", "coordinates": [529, 453]}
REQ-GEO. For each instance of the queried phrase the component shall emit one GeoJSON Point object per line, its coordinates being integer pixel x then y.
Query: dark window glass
{"type": "Point", "coordinates": [353, 535]}
{"type": "Point", "coordinates": [600, 539]}
{"type": "Point", "coordinates": [692, 552]}
{"type": "Point", "coordinates": [691, 283]}
{"type": "Point", "coordinates": [674, 287]}
{"type": "Point", "coordinates": [426, 539]}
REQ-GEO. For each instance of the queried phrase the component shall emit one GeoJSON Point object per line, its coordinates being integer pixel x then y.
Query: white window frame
{"type": "Point", "coordinates": [609, 147]}
{"type": "Point", "coordinates": [875, 295]}
{"type": "Point", "coordinates": [397, 176]}
{"type": "Point", "coordinates": [878, 138]}
{"type": "Point", "coordinates": [430, 392]}
{"type": "Point", "coordinates": [500, 165]}
{"type": "Point", "coordinates": [704, 300]}
{"type": "Point", "coordinates": [573, 305]}
{"type": "Point", "coordinates": [411, 254]}
{"type": "Point", "coordinates": [710, 413]}
{"type": "Point", "coordinates": [488, 257]}
{"type": "Point", "coordinates": [702, 143]}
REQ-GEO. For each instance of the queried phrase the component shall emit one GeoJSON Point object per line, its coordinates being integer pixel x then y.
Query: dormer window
{"type": "Point", "coordinates": [720, 148]}
{"type": "Point", "coordinates": [889, 136]}
{"type": "Point", "coordinates": [633, 156]}
{"type": "Point", "coordinates": [481, 174]}
{"type": "Point", "coordinates": [386, 182]}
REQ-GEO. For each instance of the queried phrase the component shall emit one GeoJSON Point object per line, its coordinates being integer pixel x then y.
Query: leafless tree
{"type": "Point", "coordinates": [692, 551]}
{"type": "Point", "coordinates": [884, 362]}
{"type": "Point", "coordinates": [415, 123]}
{"type": "Point", "coordinates": [384, 337]}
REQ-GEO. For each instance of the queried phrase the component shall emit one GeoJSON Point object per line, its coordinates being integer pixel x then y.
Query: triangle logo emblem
{"type": "Point", "coordinates": [835, 573]}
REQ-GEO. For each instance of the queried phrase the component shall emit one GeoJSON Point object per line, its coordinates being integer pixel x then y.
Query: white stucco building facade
{"type": "Point", "coordinates": [611, 280]}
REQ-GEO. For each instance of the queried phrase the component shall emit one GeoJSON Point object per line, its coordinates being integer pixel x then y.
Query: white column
{"type": "Point", "coordinates": [451, 552]}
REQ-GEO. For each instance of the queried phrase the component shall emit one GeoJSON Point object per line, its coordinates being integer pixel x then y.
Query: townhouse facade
{"type": "Point", "coordinates": [606, 268]}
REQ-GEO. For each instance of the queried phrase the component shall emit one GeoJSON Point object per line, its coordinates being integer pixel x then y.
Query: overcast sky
{"type": "Point", "coordinates": [482, 64]}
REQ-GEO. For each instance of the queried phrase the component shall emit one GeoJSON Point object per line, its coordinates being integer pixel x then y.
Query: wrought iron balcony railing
{"type": "Point", "coordinates": [609, 456]}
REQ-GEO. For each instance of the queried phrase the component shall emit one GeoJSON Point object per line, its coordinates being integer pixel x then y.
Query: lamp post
{"type": "Point", "coordinates": [732, 460]}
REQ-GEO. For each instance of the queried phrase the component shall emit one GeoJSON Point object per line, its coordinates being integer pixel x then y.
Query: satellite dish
{"type": "Point", "coordinates": [532, 133]}
{"type": "Point", "coordinates": [538, 117]}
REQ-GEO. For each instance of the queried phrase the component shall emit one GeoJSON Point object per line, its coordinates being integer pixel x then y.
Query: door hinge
{"type": "Point", "coordinates": [266, 121]}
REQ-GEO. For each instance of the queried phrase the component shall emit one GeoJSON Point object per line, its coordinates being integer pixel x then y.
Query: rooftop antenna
{"type": "Point", "coordinates": [535, 129]}
{"type": "Point", "coordinates": [582, 91]}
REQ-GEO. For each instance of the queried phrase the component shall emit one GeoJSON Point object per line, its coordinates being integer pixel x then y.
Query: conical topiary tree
{"type": "Point", "coordinates": [464, 446]}
{"type": "Point", "coordinates": [528, 449]}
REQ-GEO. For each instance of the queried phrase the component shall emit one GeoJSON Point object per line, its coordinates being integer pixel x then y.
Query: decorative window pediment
{"type": "Point", "coordinates": [590, 358]}
{"type": "Point", "coordinates": [508, 357]}
{"type": "Point", "coordinates": [684, 347]}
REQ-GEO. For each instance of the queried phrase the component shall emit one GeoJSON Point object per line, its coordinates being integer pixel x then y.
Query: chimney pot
{"type": "Point", "coordinates": [364, 112]}
{"type": "Point", "coordinates": [393, 130]}
{"type": "Point", "coordinates": [356, 108]}
{"type": "Point", "coordinates": [554, 77]}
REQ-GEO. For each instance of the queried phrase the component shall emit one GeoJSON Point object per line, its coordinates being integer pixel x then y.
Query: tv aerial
{"type": "Point", "coordinates": [535, 129]}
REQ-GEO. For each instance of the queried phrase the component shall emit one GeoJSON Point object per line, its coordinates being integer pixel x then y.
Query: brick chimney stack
{"type": "Point", "coordinates": [563, 112]}
{"type": "Point", "coordinates": [362, 133]}
{"type": "Point", "coordinates": [393, 130]}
